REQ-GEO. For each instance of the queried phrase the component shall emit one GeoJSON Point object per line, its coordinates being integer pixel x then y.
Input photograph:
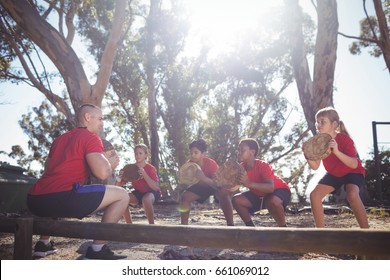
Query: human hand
{"type": "Point", "coordinates": [119, 179]}
{"type": "Point", "coordinates": [333, 146]}
{"type": "Point", "coordinates": [142, 172]}
{"type": "Point", "coordinates": [244, 180]}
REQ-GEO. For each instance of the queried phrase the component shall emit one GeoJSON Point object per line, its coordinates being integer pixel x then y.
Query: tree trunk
{"type": "Point", "coordinates": [56, 47]}
{"type": "Point", "coordinates": [317, 93]}
{"type": "Point", "coordinates": [325, 53]}
{"type": "Point", "coordinates": [150, 44]}
{"type": "Point", "coordinates": [384, 41]}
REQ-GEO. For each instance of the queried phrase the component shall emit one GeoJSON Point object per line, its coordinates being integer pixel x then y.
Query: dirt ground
{"type": "Point", "coordinates": [206, 214]}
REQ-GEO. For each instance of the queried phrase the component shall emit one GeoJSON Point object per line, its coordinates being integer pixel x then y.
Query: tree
{"type": "Point", "coordinates": [41, 126]}
{"type": "Point", "coordinates": [371, 178]}
{"type": "Point", "coordinates": [374, 32]}
{"type": "Point", "coordinates": [315, 93]}
{"type": "Point", "coordinates": [33, 21]}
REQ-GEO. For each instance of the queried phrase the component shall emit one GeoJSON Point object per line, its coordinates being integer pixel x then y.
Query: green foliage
{"type": "Point", "coordinates": [41, 126]}
{"type": "Point", "coordinates": [371, 177]}
{"type": "Point", "coordinates": [219, 98]}
{"type": "Point", "coordinates": [369, 30]}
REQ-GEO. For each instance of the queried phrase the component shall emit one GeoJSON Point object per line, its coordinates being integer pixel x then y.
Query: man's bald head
{"type": "Point", "coordinates": [85, 110]}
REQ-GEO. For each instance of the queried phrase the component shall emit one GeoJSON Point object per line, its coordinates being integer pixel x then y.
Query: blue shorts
{"type": "Point", "coordinates": [139, 195]}
{"type": "Point", "coordinates": [257, 201]}
{"type": "Point", "coordinates": [338, 182]}
{"type": "Point", "coordinates": [78, 203]}
{"type": "Point", "coordinates": [201, 190]}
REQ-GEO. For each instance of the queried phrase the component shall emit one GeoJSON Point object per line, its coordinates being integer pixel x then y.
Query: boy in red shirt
{"type": "Point", "coordinates": [266, 190]}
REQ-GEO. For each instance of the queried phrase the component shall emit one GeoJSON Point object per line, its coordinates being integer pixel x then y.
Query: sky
{"type": "Point", "coordinates": [362, 82]}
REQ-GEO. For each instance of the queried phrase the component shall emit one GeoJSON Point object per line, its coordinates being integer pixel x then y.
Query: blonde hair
{"type": "Point", "coordinates": [333, 116]}
{"type": "Point", "coordinates": [143, 147]}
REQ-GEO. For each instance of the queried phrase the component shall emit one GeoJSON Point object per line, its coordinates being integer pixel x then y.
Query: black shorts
{"type": "Point", "coordinates": [257, 201]}
{"type": "Point", "coordinates": [80, 202]}
{"type": "Point", "coordinates": [338, 182]}
{"type": "Point", "coordinates": [202, 190]}
{"type": "Point", "coordinates": [139, 195]}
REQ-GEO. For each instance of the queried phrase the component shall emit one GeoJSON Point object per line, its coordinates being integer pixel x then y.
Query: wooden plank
{"type": "Point", "coordinates": [362, 242]}
{"type": "Point", "coordinates": [23, 238]}
{"type": "Point", "coordinates": [7, 224]}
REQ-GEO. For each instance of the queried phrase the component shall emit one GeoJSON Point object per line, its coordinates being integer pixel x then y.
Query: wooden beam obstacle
{"type": "Point", "coordinates": [372, 243]}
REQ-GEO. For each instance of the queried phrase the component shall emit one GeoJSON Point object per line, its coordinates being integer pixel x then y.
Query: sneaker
{"type": "Point", "coordinates": [42, 250]}
{"type": "Point", "coordinates": [104, 254]}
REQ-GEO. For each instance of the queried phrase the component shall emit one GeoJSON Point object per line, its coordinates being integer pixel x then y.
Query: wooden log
{"type": "Point", "coordinates": [23, 238]}
{"type": "Point", "coordinates": [361, 242]}
{"type": "Point", "coordinates": [7, 224]}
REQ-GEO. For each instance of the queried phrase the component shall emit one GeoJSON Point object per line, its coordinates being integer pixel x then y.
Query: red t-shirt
{"type": "Point", "coordinates": [335, 166]}
{"type": "Point", "coordinates": [263, 171]}
{"type": "Point", "coordinates": [67, 161]}
{"type": "Point", "coordinates": [141, 185]}
{"type": "Point", "coordinates": [209, 167]}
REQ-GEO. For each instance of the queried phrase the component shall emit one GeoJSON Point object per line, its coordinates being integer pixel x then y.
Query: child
{"type": "Point", "coordinates": [146, 189]}
{"type": "Point", "coordinates": [343, 168]}
{"type": "Point", "coordinates": [206, 186]}
{"type": "Point", "coordinates": [111, 154]}
{"type": "Point", "coordinates": [266, 190]}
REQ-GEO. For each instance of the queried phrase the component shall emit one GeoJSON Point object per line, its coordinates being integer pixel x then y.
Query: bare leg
{"type": "Point", "coordinates": [147, 202]}
{"type": "Point", "coordinates": [115, 201]}
{"type": "Point", "coordinates": [185, 205]}
{"type": "Point", "coordinates": [225, 202]}
{"type": "Point", "coordinates": [242, 205]}
{"type": "Point", "coordinates": [357, 205]}
{"type": "Point", "coordinates": [127, 216]}
{"type": "Point", "coordinates": [275, 207]}
{"type": "Point", "coordinates": [316, 197]}
{"type": "Point", "coordinates": [127, 213]}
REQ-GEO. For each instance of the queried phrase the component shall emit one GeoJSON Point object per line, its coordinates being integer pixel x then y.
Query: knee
{"type": "Point", "coordinates": [353, 196]}
{"type": "Point", "coordinates": [315, 196]}
{"type": "Point", "coordinates": [124, 195]}
{"type": "Point", "coordinates": [185, 198]}
{"type": "Point", "coordinates": [273, 202]}
{"type": "Point", "coordinates": [148, 198]}
{"type": "Point", "coordinates": [236, 201]}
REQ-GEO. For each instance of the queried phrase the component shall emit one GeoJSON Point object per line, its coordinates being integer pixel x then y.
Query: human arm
{"type": "Point", "coordinates": [349, 161]}
{"type": "Point", "coordinates": [314, 164]}
{"type": "Point", "coordinates": [266, 186]}
{"type": "Point", "coordinates": [99, 165]}
{"type": "Point", "coordinates": [154, 185]}
{"type": "Point", "coordinates": [204, 179]}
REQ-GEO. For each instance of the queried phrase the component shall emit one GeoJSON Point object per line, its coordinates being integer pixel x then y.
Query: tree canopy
{"type": "Point", "coordinates": [153, 92]}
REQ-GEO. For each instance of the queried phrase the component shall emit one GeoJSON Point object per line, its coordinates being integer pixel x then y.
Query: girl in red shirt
{"type": "Point", "coordinates": [343, 168]}
{"type": "Point", "coordinates": [147, 188]}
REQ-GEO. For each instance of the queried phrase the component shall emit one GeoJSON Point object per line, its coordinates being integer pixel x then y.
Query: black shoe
{"type": "Point", "coordinates": [104, 254]}
{"type": "Point", "coordinates": [42, 250]}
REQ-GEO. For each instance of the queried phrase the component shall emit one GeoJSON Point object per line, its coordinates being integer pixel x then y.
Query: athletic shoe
{"type": "Point", "coordinates": [104, 254]}
{"type": "Point", "coordinates": [42, 250]}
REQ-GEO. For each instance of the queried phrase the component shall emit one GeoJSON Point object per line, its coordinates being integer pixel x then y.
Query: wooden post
{"type": "Point", "coordinates": [23, 238]}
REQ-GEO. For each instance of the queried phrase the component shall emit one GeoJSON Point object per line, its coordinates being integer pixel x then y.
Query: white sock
{"type": "Point", "coordinates": [45, 241]}
{"type": "Point", "coordinates": [97, 247]}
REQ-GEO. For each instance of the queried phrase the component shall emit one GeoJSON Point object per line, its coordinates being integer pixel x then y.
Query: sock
{"type": "Point", "coordinates": [250, 224]}
{"type": "Point", "coordinates": [97, 247]}
{"type": "Point", "coordinates": [45, 241]}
